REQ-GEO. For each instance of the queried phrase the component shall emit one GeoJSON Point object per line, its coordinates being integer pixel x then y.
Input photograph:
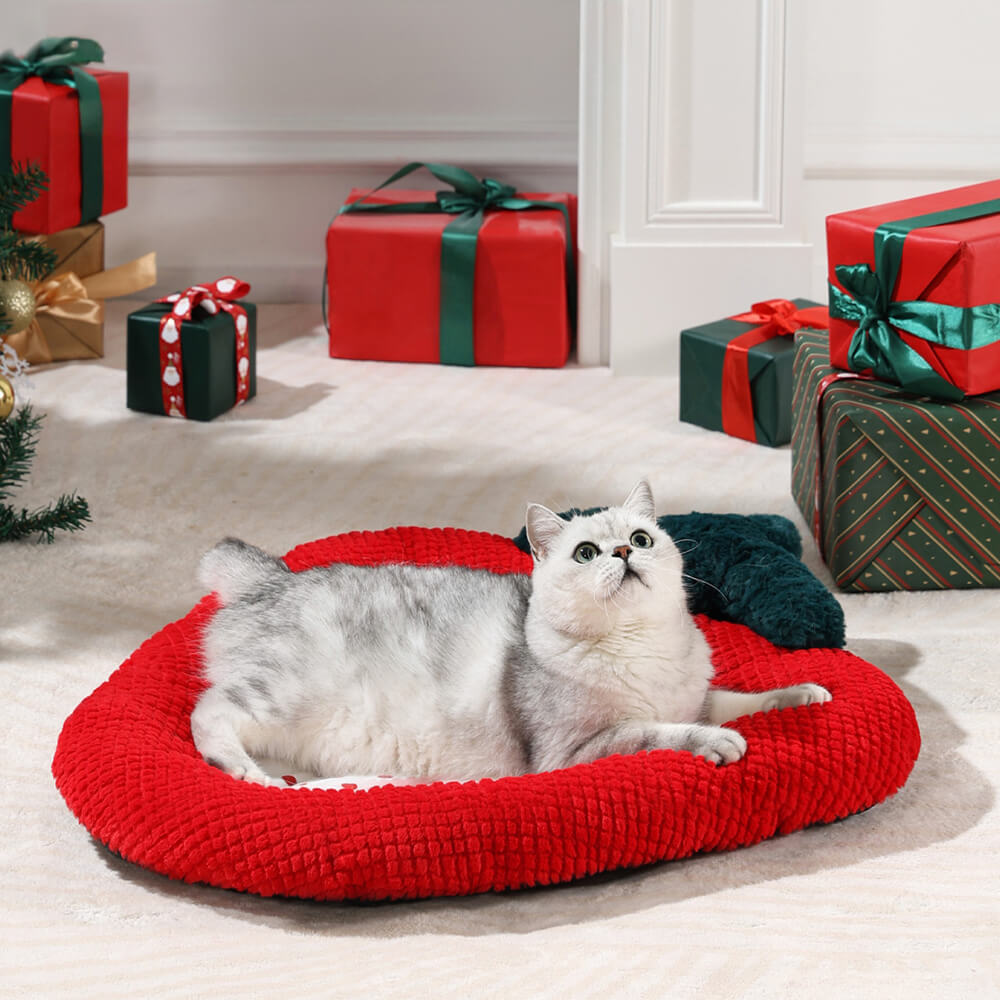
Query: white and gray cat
{"type": "Point", "coordinates": [443, 672]}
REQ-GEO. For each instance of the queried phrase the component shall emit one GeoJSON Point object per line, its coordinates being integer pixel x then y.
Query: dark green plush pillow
{"type": "Point", "coordinates": [748, 569]}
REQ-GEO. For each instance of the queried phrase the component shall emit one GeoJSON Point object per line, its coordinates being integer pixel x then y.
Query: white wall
{"type": "Point", "coordinates": [251, 119]}
{"type": "Point", "coordinates": [901, 100]}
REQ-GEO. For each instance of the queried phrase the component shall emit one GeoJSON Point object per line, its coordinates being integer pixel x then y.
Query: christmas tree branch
{"type": "Point", "coordinates": [28, 261]}
{"type": "Point", "coordinates": [18, 435]}
{"type": "Point", "coordinates": [19, 188]}
{"type": "Point", "coordinates": [68, 513]}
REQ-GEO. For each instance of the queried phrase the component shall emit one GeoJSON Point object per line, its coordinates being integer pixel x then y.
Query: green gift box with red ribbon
{"type": "Point", "coordinates": [73, 123]}
{"type": "Point", "coordinates": [736, 373]}
{"type": "Point", "coordinates": [193, 353]}
{"type": "Point", "coordinates": [915, 291]}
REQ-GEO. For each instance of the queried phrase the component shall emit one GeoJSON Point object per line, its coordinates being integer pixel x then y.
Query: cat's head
{"type": "Point", "coordinates": [596, 572]}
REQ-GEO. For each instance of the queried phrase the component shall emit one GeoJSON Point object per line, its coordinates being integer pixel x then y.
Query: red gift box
{"type": "Point", "coordinates": [45, 129]}
{"type": "Point", "coordinates": [955, 264]}
{"type": "Point", "coordinates": [384, 283]}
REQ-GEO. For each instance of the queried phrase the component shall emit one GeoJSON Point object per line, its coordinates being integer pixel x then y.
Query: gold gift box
{"type": "Point", "coordinates": [69, 311]}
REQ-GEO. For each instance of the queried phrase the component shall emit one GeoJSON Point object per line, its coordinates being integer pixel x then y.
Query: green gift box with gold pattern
{"type": "Point", "coordinates": [902, 492]}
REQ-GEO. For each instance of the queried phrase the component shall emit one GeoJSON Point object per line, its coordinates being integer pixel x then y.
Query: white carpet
{"type": "Point", "coordinates": [901, 901]}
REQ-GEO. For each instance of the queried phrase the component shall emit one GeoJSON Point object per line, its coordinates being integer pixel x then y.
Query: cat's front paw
{"type": "Point", "coordinates": [256, 776]}
{"type": "Point", "coordinates": [797, 695]}
{"type": "Point", "coordinates": [716, 744]}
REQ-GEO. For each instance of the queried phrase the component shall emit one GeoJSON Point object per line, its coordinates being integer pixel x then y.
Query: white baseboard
{"type": "Point", "coordinates": [175, 149]}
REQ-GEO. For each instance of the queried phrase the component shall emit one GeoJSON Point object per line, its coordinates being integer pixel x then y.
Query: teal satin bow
{"type": "Point", "coordinates": [866, 299]}
{"type": "Point", "coordinates": [58, 60]}
{"type": "Point", "coordinates": [468, 200]}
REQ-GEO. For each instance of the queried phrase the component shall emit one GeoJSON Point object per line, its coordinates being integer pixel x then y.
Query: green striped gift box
{"type": "Point", "coordinates": [902, 492]}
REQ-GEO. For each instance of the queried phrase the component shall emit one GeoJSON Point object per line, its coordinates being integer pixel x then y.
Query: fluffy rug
{"type": "Point", "coordinates": [899, 901]}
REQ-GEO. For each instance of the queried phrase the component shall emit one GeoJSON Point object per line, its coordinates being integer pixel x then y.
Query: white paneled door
{"type": "Point", "coordinates": [690, 170]}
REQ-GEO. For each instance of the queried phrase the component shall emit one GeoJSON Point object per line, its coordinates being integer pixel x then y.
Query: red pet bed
{"type": "Point", "coordinates": [129, 771]}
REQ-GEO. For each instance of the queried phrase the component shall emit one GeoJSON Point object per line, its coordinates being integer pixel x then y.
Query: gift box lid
{"type": "Point", "coordinates": [954, 264]}
{"type": "Point", "coordinates": [537, 223]}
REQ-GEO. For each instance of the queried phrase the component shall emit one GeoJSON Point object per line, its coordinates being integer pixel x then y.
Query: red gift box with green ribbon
{"type": "Point", "coordinates": [73, 123]}
{"type": "Point", "coordinates": [915, 291]}
{"type": "Point", "coordinates": [475, 274]}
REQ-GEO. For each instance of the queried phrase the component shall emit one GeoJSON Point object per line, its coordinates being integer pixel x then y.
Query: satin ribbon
{"type": "Point", "coordinates": [771, 318]}
{"type": "Point", "coordinates": [469, 201]}
{"type": "Point", "coordinates": [58, 60]}
{"type": "Point", "coordinates": [213, 297]}
{"type": "Point", "coordinates": [867, 300]}
{"type": "Point", "coordinates": [67, 296]}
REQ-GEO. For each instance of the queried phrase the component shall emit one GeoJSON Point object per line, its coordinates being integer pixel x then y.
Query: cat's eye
{"type": "Point", "coordinates": [585, 552]}
{"type": "Point", "coordinates": [641, 540]}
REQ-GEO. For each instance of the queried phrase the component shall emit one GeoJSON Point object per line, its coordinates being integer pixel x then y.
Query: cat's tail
{"type": "Point", "coordinates": [234, 569]}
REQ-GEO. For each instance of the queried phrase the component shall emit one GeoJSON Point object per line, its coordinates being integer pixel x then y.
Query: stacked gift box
{"type": "Point", "coordinates": [891, 397]}
{"type": "Point", "coordinates": [61, 114]}
{"type": "Point", "coordinates": [896, 413]}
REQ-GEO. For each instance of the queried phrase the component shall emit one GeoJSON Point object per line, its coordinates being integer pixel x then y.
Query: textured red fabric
{"type": "Point", "coordinates": [129, 771]}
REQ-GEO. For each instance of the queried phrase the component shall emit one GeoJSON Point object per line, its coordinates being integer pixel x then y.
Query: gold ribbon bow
{"type": "Point", "coordinates": [71, 310]}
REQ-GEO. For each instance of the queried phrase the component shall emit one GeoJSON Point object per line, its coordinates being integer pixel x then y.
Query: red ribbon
{"type": "Point", "coordinates": [221, 294]}
{"type": "Point", "coordinates": [773, 318]}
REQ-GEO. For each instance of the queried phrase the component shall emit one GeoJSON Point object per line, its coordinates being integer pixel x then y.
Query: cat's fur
{"type": "Point", "coordinates": [453, 673]}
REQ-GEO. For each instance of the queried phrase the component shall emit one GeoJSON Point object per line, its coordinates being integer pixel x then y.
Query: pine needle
{"type": "Point", "coordinates": [18, 438]}
{"type": "Point", "coordinates": [68, 513]}
{"type": "Point", "coordinates": [20, 187]}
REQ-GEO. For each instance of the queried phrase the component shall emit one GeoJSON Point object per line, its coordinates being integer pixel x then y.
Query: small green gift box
{"type": "Point", "coordinates": [736, 374]}
{"type": "Point", "coordinates": [194, 353]}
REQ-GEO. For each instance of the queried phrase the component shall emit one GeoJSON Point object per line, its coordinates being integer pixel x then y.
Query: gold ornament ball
{"type": "Point", "coordinates": [17, 305]}
{"type": "Point", "coordinates": [6, 398]}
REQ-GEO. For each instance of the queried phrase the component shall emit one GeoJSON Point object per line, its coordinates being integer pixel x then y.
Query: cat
{"type": "Point", "coordinates": [450, 673]}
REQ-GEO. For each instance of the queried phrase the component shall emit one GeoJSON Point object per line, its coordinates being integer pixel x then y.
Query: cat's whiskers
{"type": "Point", "coordinates": [698, 579]}
{"type": "Point", "coordinates": [602, 603]}
{"type": "Point", "coordinates": [684, 552]}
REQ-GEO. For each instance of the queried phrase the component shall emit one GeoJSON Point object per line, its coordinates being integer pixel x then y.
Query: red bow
{"type": "Point", "coordinates": [772, 318]}
{"type": "Point", "coordinates": [216, 295]}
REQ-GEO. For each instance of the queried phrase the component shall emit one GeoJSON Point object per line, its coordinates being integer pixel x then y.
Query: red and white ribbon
{"type": "Point", "coordinates": [216, 295]}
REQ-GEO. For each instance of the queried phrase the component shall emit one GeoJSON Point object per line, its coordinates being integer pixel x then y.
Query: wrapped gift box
{"type": "Point", "coordinates": [753, 401]}
{"type": "Point", "coordinates": [58, 335]}
{"type": "Point", "coordinates": [208, 348]}
{"type": "Point", "coordinates": [902, 492]}
{"type": "Point", "coordinates": [914, 287]}
{"type": "Point", "coordinates": [45, 129]}
{"type": "Point", "coordinates": [384, 276]}
{"type": "Point", "coordinates": [69, 301]}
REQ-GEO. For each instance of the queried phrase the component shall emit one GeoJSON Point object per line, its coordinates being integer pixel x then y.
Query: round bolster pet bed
{"type": "Point", "coordinates": [128, 769]}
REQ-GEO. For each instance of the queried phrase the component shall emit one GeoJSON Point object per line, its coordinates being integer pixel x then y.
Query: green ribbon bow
{"type": "Point", "coordinates": [468, 201]}
{"type": "Point", "coordinates": [58, 60]}
{"type": "Point", "coordinates": [867, 301]}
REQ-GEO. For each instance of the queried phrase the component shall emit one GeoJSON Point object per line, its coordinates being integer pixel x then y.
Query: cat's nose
{"type": "Point", "coordinates": [622, 551]}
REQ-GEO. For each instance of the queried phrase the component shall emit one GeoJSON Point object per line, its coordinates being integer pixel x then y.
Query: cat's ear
{"type": "Point", "coordinates": [544, 527]}
{"type": "Point", "coordinates": [640, 501]}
